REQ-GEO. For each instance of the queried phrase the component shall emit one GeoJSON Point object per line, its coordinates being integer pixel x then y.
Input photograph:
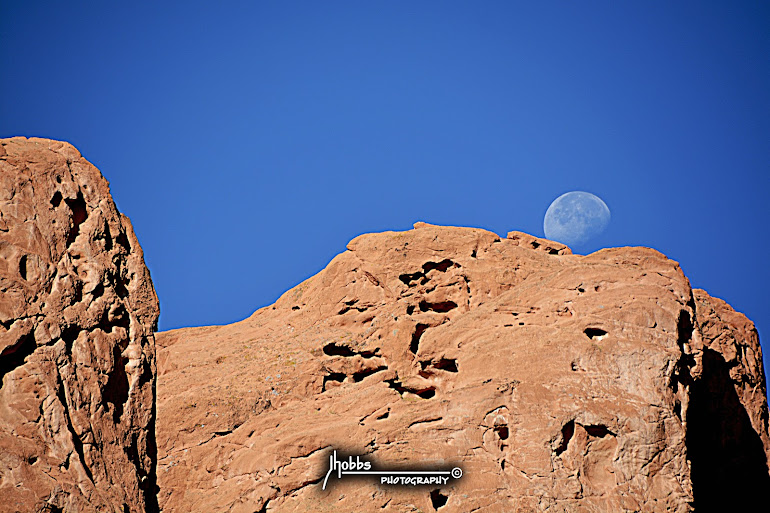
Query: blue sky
{"type": "Point", "coordinates": [249, 142]}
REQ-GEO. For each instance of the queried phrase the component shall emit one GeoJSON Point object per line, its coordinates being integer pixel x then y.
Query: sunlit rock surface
{"type": "Point", "coordinates": [77, 362]}
{"type": "Point", "coordinates": [557, 382]}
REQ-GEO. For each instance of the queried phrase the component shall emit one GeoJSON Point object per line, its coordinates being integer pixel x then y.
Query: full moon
{"type": "Point", "coordinates": [575, 218]}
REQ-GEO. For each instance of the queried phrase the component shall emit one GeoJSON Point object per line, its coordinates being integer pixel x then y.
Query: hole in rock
{"type": "Point", "coordinates": [502, 432]}
{"type": "Point", "coordinates": [409, 278]}
{"type": "Point", "coordinates": [438, 499]}
{"type": "Point", "coordinates": [566, 435]}
{"type": "Point", "coordinates": [410, 310]}
{"type": "Point", "coordinates": [595, 333]}
{"type": "Point", "coordinates": [56, 200]}
{"type": "Point", "coordinates": [414, 345]}
{"type": "Point", "coordinates": [359, 376]}
{"type": "Point", "coordinates": [440, 266]}
{"type": "Point", "coordinates": [23, 267]}
{"type": "Point", "coordinates": [441, 307]}
{"type": "Point", "coordinates": [598, 430]}
{"type": "Point", "coordinates": [446, 364]}
{"type": "Point", "coordinates": [295, 308]}
{"type": "Point", "coordinates": [426, 394]}
{"type": "Point", "coordinates": [333, 349]}
{"type": "Point", "coordinates": [396, 385]}
{"type": "Point", "coordinates": [79, 215]}
{"type": "Point", "coordinates": [683, 329]}
{"type": "Point", "coordinates": [384, 416]}
{"type": "Point", "coordinates": [349, 306]}
{"type": "Point", "coordinates": [107, 237]}
{"type": "Point", "coordinates": [336, 377]}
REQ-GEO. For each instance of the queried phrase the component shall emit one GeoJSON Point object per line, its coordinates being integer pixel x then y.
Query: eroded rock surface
{"type": "Point", "coordinates": [557, 382]}
{"type": "Point", "coordinates": [77, 363]}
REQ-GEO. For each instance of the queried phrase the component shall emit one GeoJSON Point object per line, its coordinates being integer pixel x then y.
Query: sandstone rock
{"type": "Point", "coordinates": [77, 362]}
{"type": "Point", "coordinates": [557, 382]}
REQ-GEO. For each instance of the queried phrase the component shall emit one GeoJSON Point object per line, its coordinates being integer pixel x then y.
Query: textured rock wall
{"type": "Point", "coordinates": [558, 382]}
{"type": "Point", "coordinates": [77, 362]}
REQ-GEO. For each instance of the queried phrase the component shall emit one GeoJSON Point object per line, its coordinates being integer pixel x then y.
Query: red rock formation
{"type": "Point", "coordinates": [77, 311]}
{"type": "Point", "coordinates": [557, 382]}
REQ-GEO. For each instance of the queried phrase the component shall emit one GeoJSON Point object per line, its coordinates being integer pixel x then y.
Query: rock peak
{"type": "Point", "coordinates": [557, 381]}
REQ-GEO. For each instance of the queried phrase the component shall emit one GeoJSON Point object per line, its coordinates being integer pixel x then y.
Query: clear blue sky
{"type": "Point", "coordinates": [249, 142]}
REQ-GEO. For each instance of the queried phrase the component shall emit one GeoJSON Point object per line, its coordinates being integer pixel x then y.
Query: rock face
{"type": "Point", "coordinates": [77, 362]}
{"type": "Point", "coordinates": [557, 382]}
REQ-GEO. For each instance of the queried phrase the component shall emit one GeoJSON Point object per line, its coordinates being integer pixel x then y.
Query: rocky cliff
{"type": "Point", "coordinates": [557, 382]}
{"type": "Point", "coordinates": [77, 355]}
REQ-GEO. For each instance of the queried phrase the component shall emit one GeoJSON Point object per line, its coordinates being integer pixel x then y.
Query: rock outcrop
{"type": "Point", "coordinates": [557, 382]}
{"type": "Point", "coordinates": [77, 362]}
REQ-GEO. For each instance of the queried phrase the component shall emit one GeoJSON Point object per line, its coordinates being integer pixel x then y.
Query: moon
{"type": "Point", "coordinates": [575, 218]}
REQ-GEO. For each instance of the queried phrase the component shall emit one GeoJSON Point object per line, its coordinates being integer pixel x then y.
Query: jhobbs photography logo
{"type": "Point", "coordinates": [356, 466]}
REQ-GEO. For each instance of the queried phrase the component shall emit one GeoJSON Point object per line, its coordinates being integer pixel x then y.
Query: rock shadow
{"type": "Point", "coordinates": [729, 467]}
